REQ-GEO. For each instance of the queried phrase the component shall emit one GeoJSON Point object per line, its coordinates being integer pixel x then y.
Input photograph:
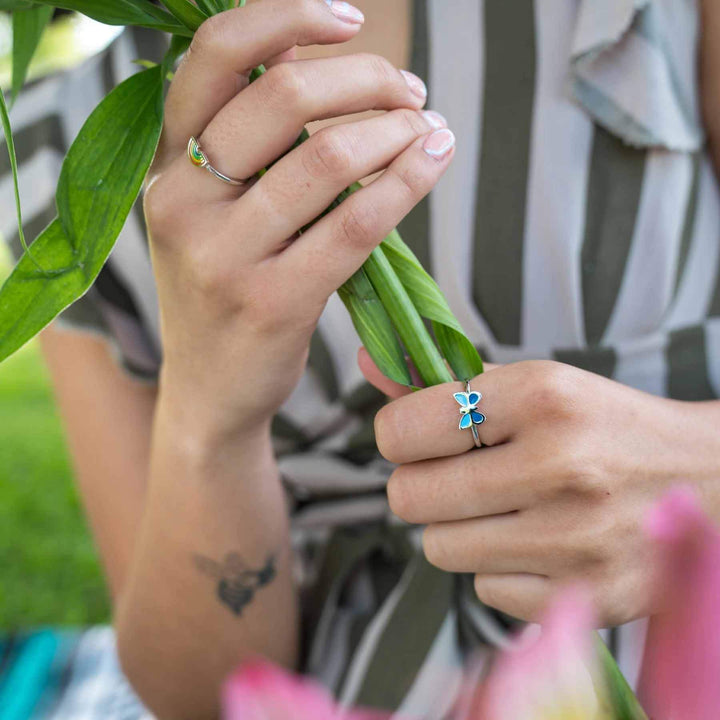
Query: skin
{"type": "Point", "coordinates": [208, 487]}
{"type": "Point", "coordinates": [573, 463]}
{"type": "Point", "coordinates": [182, 474]}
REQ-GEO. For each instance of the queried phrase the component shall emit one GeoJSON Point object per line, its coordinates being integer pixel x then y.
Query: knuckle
{"type": "Point", "coordinates": [384, 72]}
{"type": "Point", "coordinates": [386, 432]}
{"type": "Point", "coordinates": [434, 546]}
{"type": "Point", "coordinates": [265, 321]}
{"type": "Point", "coordinates": [413, 180]}
{"type": "Point", "coordinates": [553, 384]}
{"type": "Point", "coordinates": [590, 483]}
{"type": "Point", "coordinates": [398, 496]}
{"type": "Point", "coordinates": [584, 544]}
{"type": "Point", "coordinates": [311, 15]}
{"type": "Point", "coordinates": [485, 591]}
{"type": "Point", "coordinates": [358, 224]}
{"type": "Point", "coordinates": [207, 39]}
{"type": "Point", "coordinates": [608, 597]}
{"type": "Point", "coordinates": [412, 121]}
{"type": "Point", "coordinates": [282, 86]}
{"type": "Point", "coordinates": [210, 279]}
{"type": "Point", "coordinates": [272, 314]}
{"type": "Point", "coordinates": [582, 550]}
{"type": "Point", "coordinates": [306, 10]}
{"type": "Point", "coordinates": [161, 209]}
{"type": "Point", "coordinates": [579, 475]}
{"type": "Point", "coordinates": [329, 154]}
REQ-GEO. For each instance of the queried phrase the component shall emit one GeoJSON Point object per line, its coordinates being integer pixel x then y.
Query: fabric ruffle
{"type": "Point", "coordinates": [634, 70]}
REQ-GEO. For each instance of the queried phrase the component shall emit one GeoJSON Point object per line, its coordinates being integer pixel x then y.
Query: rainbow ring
{"type": "Point", "coordinates": [199, 159]}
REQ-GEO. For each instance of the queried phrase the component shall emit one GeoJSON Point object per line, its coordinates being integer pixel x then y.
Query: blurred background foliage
{"type": "Point", "coordinates": [49, 572]}
{"type": "Point", "coordinates": [49, 569]}
{"type": "Point", "coordinates": [70, 39]}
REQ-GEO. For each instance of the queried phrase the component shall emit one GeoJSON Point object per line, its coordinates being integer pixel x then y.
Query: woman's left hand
{"type": "Point", "coordinates": [572, 463]}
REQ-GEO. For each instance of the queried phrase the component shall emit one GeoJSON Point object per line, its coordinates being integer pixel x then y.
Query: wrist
{"type": "Point", "coordinates": [205, 442]}
{"type": "Point", "coordinates": [696, 423]}
{"type": "Point", "coordinates": [211, 412]}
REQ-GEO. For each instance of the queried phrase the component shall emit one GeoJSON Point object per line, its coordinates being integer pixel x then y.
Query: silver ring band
{"type": "Point", "coordinates": [473, 427]}
{"type": "Point", "coordinates": [199, 159]}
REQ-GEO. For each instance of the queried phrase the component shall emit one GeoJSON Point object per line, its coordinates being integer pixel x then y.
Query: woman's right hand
{"type": "Point", "coordinates": [239, 297]}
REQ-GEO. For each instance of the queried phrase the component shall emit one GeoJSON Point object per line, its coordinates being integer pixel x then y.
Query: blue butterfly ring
{"type": "Point", "coordinates": [470, 417]}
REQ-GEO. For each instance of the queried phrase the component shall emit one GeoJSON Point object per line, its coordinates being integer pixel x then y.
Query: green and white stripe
{"type": "Point", "coordinates": [580, 220]}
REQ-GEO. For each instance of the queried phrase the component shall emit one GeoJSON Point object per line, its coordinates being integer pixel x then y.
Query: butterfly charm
{"type": "Point", "coordinates": [469, 414]}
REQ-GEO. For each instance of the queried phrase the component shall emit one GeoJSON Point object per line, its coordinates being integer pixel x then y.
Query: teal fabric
{"type": "Point", "coordinates": [27, 675]}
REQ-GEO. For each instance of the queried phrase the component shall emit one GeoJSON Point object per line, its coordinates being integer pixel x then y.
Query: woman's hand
{"type": "Point", "coordinates": [572, 464]}
{"type": "Point", "coordinates": [239, 296]}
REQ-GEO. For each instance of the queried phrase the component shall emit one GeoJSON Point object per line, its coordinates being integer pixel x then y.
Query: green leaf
{"type": "Point", "coordinates": [188, 14]}
{"type": "Point", "coordinates": [213, 7]}
{"type": "Point", "coordinates": [99, 182]}
{"type": "Point", "coordinates": [427, 297]}
{"type": "Point", "coordinates": [209, 7]}
{"type": "Point", "coordinates": [12, 5]}
{"type": "Point", "coordinates": [7, 131]}
{"type": "Point", "coordinates": [406, 320]}
{"type": "Point", "coordinates": [124, 12]}
{"type": "Point", "coordinates": [374, 327]}
{"type": "Point", "coordinates": [624, 705]}
{"type": "Point", "coordinates": [178, 46]}
{"type": "Point", "coordinates": [28, 27]}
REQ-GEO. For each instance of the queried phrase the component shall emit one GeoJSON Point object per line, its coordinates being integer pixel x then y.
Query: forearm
{"type": "Point", "coordinates": [190, 611]}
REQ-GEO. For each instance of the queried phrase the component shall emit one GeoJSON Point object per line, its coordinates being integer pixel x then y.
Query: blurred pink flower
{"type": "Point", "coordinates": [548, 674]}
{"type": "Point", "coordinates": [259, 690]}
{"type": "Point", "coordinates": [680, 679]}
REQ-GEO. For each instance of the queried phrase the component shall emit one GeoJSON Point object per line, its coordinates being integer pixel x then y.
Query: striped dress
{"type": "Point", "coordinates": [579, 221]}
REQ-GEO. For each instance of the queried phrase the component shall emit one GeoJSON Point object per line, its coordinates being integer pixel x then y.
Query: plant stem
{"type": "Point", "coordinates": [406, 320]}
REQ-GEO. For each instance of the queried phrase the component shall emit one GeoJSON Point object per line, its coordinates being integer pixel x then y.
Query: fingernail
{"type": "Point", "coordinates": [415, 83]}
{"type": "Point", "coordinates": [439, 143]}
{"type": "Point", "coordinates": [346, 12]}
{"type": "Point", "coordinates": [434, 119]}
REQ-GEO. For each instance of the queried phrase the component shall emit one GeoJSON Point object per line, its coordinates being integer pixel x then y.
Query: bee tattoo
{"type": "Point", "coordinates": [236, 582]}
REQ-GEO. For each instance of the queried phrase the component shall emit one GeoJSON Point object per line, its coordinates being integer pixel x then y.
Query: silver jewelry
{"type": "Point", "coordinates": [469, 415]}
{"type": "Point", "coordinates": [199, 159]}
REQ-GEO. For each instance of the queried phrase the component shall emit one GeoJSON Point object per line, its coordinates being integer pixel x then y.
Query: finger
{"type": "Point", "coordinates": [305, 182]}
{"type": "Point", "coordinates": [264, 120]}
{"type": "Point", "coordinates": [228, 46]}
{"type": "Point", "coordinates": [287, 56]}
{"type": "Point", "coordinates": [334, 248]}
{"type": "Point", "coordinates": [495, 481]}
{"type": "Point", "coordinates": [499, 544]}
{"type": "Point", "coordinates": [425, 424]}
{"type": "Point", "coordinates": [373, 375]}
{"type": "Point", "coordinates": [521, 595]}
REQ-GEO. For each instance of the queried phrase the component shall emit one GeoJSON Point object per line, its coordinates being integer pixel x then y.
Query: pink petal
{"type": "Point", "coordinates": [552, 669]}
{"type": "Point", "coordinates": [681, 665]}
{"type": "Point", "coordinates": [259, 690]}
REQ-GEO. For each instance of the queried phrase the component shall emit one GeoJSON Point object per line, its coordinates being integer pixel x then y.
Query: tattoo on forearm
{"type": "Point", "coordinates": [236, 582]}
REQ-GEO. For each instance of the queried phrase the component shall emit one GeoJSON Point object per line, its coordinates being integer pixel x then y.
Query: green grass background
{"type": "Point", "coordinates": [49, 572]}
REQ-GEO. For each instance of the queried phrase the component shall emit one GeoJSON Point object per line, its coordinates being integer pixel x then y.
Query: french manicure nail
{"type": "Point", "coordinates": [346, 12]}
{"type": "Point", "coordinates": [434, 119]}
{"type": "Point", "coordinates": [415, 83]}
{"type": "Point", "coordinates": [439, 143]}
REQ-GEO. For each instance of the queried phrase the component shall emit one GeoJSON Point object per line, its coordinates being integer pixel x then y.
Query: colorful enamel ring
{"type": "Point", "coordinates": [199, 159]}
{"type": "Point", "coordinates": [469, 415]}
